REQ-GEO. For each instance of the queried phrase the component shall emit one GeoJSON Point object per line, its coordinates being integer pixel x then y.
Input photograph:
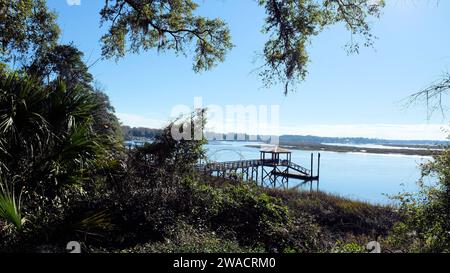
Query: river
{"type": "Point", "coordinates": [365, 177]}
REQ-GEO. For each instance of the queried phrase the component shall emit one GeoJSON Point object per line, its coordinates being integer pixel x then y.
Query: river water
{"type": "Point", "coordinates": [366, 177]}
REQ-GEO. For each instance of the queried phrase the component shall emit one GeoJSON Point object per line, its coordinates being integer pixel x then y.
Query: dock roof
{"type": "Point", "coordinates": [274, 150]}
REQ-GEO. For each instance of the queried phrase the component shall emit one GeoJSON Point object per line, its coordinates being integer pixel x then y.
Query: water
{"type": "Point", "coordinates": [360, 176]}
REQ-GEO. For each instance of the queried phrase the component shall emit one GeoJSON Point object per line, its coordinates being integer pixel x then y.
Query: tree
{"type": "Point", "coordinates": [165, 25]}
{"type": "Point", "coordinates": [171, 25]}
{"type": "Point", "coordinates": [26, 27]}
{"type": "Point", "coordinates": [131, 133]}
{"type": "Point", "coordinates": [433, 96]}
{"type": "Point", "coordinates": [291, 25]}
{"type": "Point", "coordinates": [173, 156]}
{"type": "Point", "coordinates": [65, 62]}
{"type": "Point", "coordinates": [106, 122]}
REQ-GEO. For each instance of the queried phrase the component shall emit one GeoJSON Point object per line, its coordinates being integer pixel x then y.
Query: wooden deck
{"type": "Point", "coordinates": [231, 165]}
{"type": "Point", "coordinates": [296, 176]}
{"type": "Point", "coordinates": [266, 172]}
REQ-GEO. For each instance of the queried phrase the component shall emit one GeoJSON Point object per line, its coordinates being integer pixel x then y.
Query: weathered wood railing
{"type": "Point", "coordinates": [233, 165]}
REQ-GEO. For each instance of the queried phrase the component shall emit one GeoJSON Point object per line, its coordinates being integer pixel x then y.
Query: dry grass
{"type": "Point", "coordinates": [339, 216]}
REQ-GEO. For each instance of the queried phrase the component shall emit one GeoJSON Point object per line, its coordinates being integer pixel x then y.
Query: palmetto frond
{"type": "Point", "coordinates": [46, 134]}
{"type": "Point", "coordinates": [10, 206]}
{"type": "Point", "coordinates": [22, 123]}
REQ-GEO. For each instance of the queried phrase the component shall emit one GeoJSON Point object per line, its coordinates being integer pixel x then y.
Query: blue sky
{"type": "Point", "coordinates": [356, 95]}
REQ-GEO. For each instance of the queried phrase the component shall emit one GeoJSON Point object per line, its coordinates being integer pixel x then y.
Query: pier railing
{"type": "Point", "coordinates": [234, 165]}
{"type": "Point", "coordinates": [299, 168]}
{"type": "Point", "coordinates": [230, 165]}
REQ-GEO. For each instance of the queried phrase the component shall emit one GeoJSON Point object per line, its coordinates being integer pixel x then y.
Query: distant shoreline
{"type": "Point", "coordinates": [408, 150]}
{"type": "Point", "coordinates": [412, 150]}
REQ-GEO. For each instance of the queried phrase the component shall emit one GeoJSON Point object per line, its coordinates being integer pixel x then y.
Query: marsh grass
{"type": "Point", "coordinates": [338, 215]}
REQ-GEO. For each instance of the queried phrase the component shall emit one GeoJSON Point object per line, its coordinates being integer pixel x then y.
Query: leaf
{"type": "Point", "coordinates": [10, 206]}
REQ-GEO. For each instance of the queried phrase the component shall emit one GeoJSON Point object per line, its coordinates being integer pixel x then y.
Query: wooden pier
{"type": "Point", "coordinates": [273, 169]}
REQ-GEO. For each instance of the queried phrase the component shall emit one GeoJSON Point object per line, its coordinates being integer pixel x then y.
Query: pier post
{"type": "Point", "coordinates": [318, 172]}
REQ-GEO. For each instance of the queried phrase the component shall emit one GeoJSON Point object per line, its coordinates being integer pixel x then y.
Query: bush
{"type": "Point", "coordinates": [50, 150]}
{"type": "Point", "coordinates": [187, 239]}
{"type": "Point", "coordinates": [239, 213]}
{"type": "Point", "coordinates": [342, 247]}
{"type": "Point", "coordinates": [243, 212]}
{"type": "Point", "coordinates": [425, 225]}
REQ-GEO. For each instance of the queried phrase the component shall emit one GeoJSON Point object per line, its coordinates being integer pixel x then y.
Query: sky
{"type": "Point", "coordinates": [343, 95]}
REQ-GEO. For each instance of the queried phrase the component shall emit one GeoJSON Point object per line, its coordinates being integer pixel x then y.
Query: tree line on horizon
{"type": "Point", "coordinates": [136, 133]}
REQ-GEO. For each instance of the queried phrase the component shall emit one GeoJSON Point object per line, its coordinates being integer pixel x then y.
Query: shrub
{"type": "Point", "coordinates": [243, 212]}
{"type": "Point", "coordinates": [46, 139]}
{"type": "Point", "coordinates": [342, 247]}
{"type": "Point", "coordinates": [49, 147]}
{"type": "Point", "coordinates": [187, 239]}
{"type": "Point", "coordinates": [425, 225]}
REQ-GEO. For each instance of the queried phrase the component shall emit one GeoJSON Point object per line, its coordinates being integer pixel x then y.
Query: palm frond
{"type": "Point", "coordinates": [10, 206]}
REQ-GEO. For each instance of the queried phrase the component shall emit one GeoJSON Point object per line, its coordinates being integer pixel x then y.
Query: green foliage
{"type": "Point", "coordinates": [164, 25]}
{"type": "Point", "coordinates": [27, 27]}
{"type": "Point", "coordinates": [49, 144]}
{"type": "Point", "coordinates": [244, 213]}
{"type": "Point", "coordinates": [255, 216]}
{"type": "Point", "coordinates": [175, 26]}
{"type": "Point", "coordinates": [342, 247]}
{"type": "Point", "coordinates": [46, 137]}
{"type": "Point", "coordinates": [106, 124]}
{"type": "Point", "coordinates": [147, 197]}
{"type": "Point", "coordinates": [292, 24]}
{"type": "Point", "coordinates": [174, 155]}
{"type": "Point", "coordinates": [187, 239]}
{"type": "Point", "coordinates": [10, 206]}
{"type": "Point", "coordinates": [425, 225]}
{"type": "Point", "coordinates": [62, 62]}
{"type": "Point", "coordinates": [134, 133]}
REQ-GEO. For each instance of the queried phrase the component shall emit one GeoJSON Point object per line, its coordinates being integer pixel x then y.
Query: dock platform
{"type": "Point", "coordinates": [273, 169]}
